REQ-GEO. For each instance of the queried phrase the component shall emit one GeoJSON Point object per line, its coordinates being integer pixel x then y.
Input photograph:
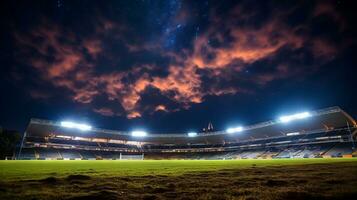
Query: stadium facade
{"type": "Point", "coordinates": [329, 132]}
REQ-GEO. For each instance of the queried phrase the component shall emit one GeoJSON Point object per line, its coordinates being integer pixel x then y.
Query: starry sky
{"type": "Point", "coordinates": [174, 66]}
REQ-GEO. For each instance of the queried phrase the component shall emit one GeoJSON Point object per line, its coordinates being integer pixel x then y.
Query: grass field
{"type": "Point", "coordinates": [180, 179]}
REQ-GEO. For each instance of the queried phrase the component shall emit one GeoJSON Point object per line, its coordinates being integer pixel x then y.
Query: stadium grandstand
{"type": "Point", "coordinates": [329, 132]}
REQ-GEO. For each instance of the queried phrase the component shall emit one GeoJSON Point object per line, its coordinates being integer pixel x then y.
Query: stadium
{"type": "Point", "coordinates": [306, 155]}
{"type": "Point", "coordinates": [326, 133]}
{"type": "Point", "coordinates": [116, 100]}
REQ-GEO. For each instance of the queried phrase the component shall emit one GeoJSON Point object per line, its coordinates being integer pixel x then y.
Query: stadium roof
{"type": "Point", "coordinates": [319, 120]}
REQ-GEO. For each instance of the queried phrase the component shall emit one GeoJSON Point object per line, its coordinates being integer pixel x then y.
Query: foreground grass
{"type": "Point", "coordinates": [22, 170]}
{"type": "Point", "coordinates": [235, 179]}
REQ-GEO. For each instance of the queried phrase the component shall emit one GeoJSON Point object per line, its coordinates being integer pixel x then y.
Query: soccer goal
{"type": "Point", "coordinates": [132, 157]}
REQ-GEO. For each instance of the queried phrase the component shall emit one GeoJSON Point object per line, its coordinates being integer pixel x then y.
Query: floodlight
{"type": "Point", "coordinates": [192, 134]}
{"type": "Point", "coordinates": [82, 127]}
{"type": "Point", "coordinates": [289, 118]}
{"type": "Point", "coordinates": [138, 133]}
{"type": "Point", "coordinates": [293, 133]}
{"type": "Point", "coordinates": [234, 130]}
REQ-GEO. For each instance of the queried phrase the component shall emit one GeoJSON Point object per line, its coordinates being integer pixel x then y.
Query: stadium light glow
{"type": "Point", "coordinates": [192, 134]}
{"type": "Point", "coordinates": [235, 130]}
{"type": "Point", "coordinates": [138, 133]}
{"type": "Point", "coordinates": [289, 118]}
{"type": "Point", "coordinates": [82, 127]}
{"type": "Point", "coordinates": [292, 133]}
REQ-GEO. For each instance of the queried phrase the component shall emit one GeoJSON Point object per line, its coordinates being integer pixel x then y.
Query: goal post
{"type": "Point", "coordinates": [131, 156]}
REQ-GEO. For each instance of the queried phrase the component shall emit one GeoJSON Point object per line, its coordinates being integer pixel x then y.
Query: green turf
{"type": "Point", "coordinates": [22, 170]}
{"type": "Point", "coordinates": [180, 179]}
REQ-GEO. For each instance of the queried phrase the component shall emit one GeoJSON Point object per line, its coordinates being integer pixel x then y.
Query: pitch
{"type": "Point", "coordinates": [180, 179]}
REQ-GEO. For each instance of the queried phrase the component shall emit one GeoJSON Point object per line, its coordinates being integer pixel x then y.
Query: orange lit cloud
{"type": "Point", "coordinates": [161, 108]}
{"type": "Point", "coordinates": [248, 44]}
{"type": "Point", "coordinates": [93, 47]}
{"type": "Point", "coordinates": [213, 66]}
{"type": "Point", "coordinates": [133, 114]}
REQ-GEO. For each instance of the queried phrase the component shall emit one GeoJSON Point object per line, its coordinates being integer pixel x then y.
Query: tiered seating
{"type": "Point", "coordinates": [72, 142]}
{"type": "Point", "coordinates": [117, 145]}
{"type": "Point", "coordinates": [288, 153]}
{"type": "Point", "coordinates": [340, 149]}
{"type": "Point", "coordinates": [270, 153]}
{"type": "Point", "coordinates": [87, 155]}
{"type": "Point", "coordinates": [105, 154]}
{"type": "Point", "coordinates": [48, 154]}
{"type": "Point", "coordinates": [319, 150]}
{"type": "Point", "coordinates": [250, 154]}
{"type": "Point", "coordinates": [323, 144]}
{"type": "Point", "coordinates": [228, 156]}
{"type": "Point", "coordinates": [27, 154]}
{"type": "Point", "coordinates": [108, 155]}
{"type": "Point", "coordinates": [304, 153]}
{"type": "Point", "coordinates": [354, 154]}
{"type": "Point", "coordinates": [91, 145]}
{"type": "Point", "coordinates": [70, 154]}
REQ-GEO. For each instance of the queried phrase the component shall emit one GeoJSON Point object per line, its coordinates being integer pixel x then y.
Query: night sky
{"type": "Point", "coordinates": [174, 65]}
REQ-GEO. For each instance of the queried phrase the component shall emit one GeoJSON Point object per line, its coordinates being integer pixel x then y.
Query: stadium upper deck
{"type": "Point", "coordinates": [303, 123]}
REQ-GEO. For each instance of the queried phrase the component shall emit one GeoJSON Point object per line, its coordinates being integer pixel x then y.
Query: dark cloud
{"type": "Point", "coordinates": [132, 66]}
